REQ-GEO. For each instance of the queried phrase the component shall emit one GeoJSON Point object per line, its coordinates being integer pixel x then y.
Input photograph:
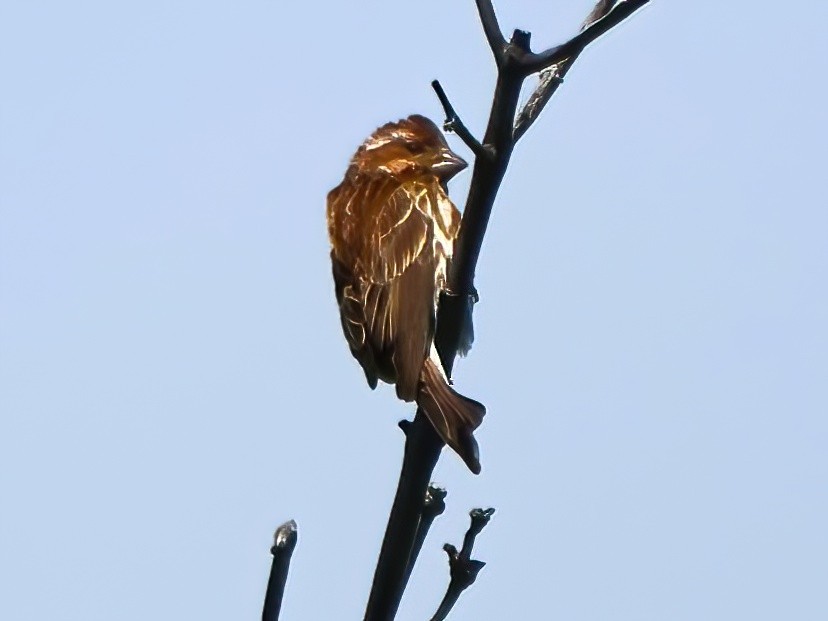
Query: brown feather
{"type": "Point", "coordinates": [392, 229]}
{"type": "Point", "coordinates": [452, 415]}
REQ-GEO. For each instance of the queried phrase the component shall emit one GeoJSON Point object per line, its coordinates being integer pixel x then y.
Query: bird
{"type": "Point", "coordinates": [392, 229]}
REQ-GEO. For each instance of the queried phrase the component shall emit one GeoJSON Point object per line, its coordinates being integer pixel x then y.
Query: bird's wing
{"type": "Point", "coordinates": [388, 306]}
{"type": "Point", "coordinates": [402, 230]}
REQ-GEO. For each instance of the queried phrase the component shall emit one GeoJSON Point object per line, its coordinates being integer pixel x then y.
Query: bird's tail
{"type": "Point", "coordinates": [452, 415]}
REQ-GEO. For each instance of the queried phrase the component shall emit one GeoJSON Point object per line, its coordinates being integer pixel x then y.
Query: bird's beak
{"type": "Point", "coordinates": [449, 164]}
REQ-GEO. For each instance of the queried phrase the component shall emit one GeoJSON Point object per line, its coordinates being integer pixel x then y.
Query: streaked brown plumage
{"type": "Point", "coordinates": [392, 229]}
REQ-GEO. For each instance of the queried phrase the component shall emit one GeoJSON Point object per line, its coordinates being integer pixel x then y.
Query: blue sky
{"type": "Point", "coordinates": [652, 337]}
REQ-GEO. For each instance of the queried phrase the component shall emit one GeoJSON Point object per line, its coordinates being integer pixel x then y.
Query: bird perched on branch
{"type": "Point", "coordinates": [392, 229]}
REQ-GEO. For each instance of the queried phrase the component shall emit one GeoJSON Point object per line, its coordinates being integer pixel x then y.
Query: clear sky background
{"type": "Point", "coordinates": [652, 336]}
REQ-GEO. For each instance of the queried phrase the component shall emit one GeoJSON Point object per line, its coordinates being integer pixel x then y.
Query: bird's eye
{"type": "Point", "coordinates": [415, 147]}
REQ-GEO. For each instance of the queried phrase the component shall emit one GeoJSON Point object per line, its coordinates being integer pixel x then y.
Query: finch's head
{"type": "Point", "coordinates": [412, 146]}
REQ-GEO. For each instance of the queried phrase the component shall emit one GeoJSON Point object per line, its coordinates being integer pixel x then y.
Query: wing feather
{"type": "Point", "coordinates": [391, 288]}
{"type": "Point", "coordinates": [401, 232]}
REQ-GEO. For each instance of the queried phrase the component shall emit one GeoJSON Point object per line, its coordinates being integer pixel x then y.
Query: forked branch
{"type": "Point", "coordinates": [532, 63]}
{"type": "Point", "coordinates": [515, 62]}
{"type": "Point", "coordinates": [557, 61]}
{"type": "Point", "coordinates": [462, 568]}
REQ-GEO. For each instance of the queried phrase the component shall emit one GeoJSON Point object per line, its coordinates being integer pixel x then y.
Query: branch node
{"type": "Point", "coordinates": [284, 542]}
{"type": "Point", "coordinates": [603, 17]}
{"type": "Point", "coordinates": [435, 502]}
{"type": "Point", "coordinates": [285, 536]}
{"type": "Point", "coordinates": [479, 519]}
{"type": "Point", "coordinates": [462, 568]}
{"type": "Point", "coordinates": [521, 40]}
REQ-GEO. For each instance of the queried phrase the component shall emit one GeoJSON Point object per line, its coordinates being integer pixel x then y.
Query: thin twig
{"type": "Point", "coordinates": [491, 28]}
{"type": "Point", "coordinates": [462, 568]}
{"type": "Point", "coordinates": [422, 449]}
{"type": "Point", "coordinates": [552, 77]}
{"type": "Point", "coordinates": [455, 125]}
{"type": "Point", "coordinates": [284, 542]}
{"type": "Point", "coordinates": [603, 17]}
{"type": "Point", "coordinates": [532, 63]}
{"type": "Point", "coordinates": [434, 505]}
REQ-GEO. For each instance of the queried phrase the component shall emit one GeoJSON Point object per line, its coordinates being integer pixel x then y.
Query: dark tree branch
{"type": "Point", "coordinates": [422, 449]}
{"type": "Point", "coordinates": [515, 62]}
{"type": "Point", "coordinates": [454, 314]}
{"type": "Point", "coordinates": [532, 63]}
{"type": "Point", "coordinates": [454, 124]}
{"type": "Point", "coordinates": [433, 506]}
{"type": "Point", "coordinates": [284, 542]}
{"type": "Point", "coordinates": [603, 17]}
{"type": "Point", "coordinates": [491, 29]}
{"type": "Point", "coordinates": [463, 569]}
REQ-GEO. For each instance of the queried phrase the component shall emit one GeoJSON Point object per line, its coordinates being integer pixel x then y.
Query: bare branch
{"type": "Point", "coordinates": [454, 124]}
{"type": "Point", "coordinates": [491, 29]}
{"type": "Point", "coordinates": [603, 17]}
{"type": "Point", "coordinates": [462, 567]}
{"type": "Point", "coordinates": [422, 450]}
{"type": "Point", "coordinates": [434, 505]}
{"type": "Point", "coordinates": [532, 63]}
{"type": "Point", "coordinates": [284, 542]}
